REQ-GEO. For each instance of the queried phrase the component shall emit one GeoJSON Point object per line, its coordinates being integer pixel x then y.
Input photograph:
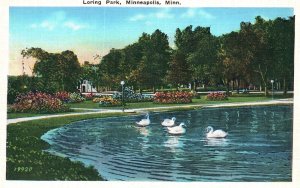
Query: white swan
{"type": "Point", "coordinates": [177, 129]}
{"type": "Point", "coordinates": [215, 134]}
{"type": "Point", "coordinates": [144, 122]}
{"type": "Point", "coordinates": [169, 122]}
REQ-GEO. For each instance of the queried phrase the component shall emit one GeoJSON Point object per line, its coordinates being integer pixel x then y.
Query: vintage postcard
{"type": "Point", "coordinates": [143, 93]}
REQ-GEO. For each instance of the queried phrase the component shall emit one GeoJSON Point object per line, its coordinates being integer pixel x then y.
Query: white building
{"type": "Point", "coordinates": [86, 87]}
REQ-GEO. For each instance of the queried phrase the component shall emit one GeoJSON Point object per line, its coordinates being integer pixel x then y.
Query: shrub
{"type": "Point", "coordinates": [212, 88]}
{"type": "Point", "coordinates": [76, 98]}
{"type": "Point", "coordinates": [97, 99]}
{"type": "Point", "coordinates": [63, 96]}
{"type": "Point", "coordinates": [131, 96]}
{"type": "Point", "coordinates": [107, 101]}
{"type": "Point", "coordinates": [174, 90]}
{"type": "Point", "coordinates": [38, 103]}
{"type": "Point", "coordinates": [173, 97]}
{"type": "Point", "coordinates": [216, 96]}
{"type": "Point", "coordinates": [89, 96]}
{"type": "Point", "coordinates": [11, 95]}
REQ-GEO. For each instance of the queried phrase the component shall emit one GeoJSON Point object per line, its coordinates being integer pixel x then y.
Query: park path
{"type": "Point", "coordinates": [98, 111]}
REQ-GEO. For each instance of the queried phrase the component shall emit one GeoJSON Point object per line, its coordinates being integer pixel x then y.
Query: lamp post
{"type": "Point", "coordinates": [122, 84]}
{"type": "Point", "coordinates": [272, 82]}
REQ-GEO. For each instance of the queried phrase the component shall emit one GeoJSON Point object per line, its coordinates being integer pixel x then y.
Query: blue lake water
{"type": "Point", "coordinates": [258, 147]}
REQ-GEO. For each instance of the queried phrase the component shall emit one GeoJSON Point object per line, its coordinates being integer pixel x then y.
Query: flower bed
{"type": "Point", "coordinates": [131, 96]}
{"type": "Point", "coordinates": [38, 103]}
{"type": "Point", "coordinates": [107, 101]}
{"type": "Point", "coordinates": [63, 96]}
{"type": "Point", "coordinates": [216, 96]}
{"type": "Point", "coordinates": [173, 97]}
{"type": "Point", "coordinates": [89, 96]}
{"type": "Point", "coordinates": [76, 98]}
{"type": "Point", "coordinates": [72, 97]}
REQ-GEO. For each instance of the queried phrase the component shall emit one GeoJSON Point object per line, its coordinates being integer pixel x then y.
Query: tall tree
{"type": "Point", "coordinates": [110, 68]}
{"type": "Point", "coordinates": [235, 58]}
{"type": "Point", "coordinates": [201, 49]}
{"type": "Point", "coordinates": [204, 57]}
{"type": "Point", "coordinates": [133, 56]}
{"type": "Point", "coordinates": [257, 36]}
{"type": "Point", "coordinates": [153, 64]}
{"type": "Point", "coordinates": [179, 71]}
{"type": "Point", "coordinates": [69, 72]}
{"type": "Point", "coordinates": [57, 71]}
{"type": "Point", "coordinates": [282, 35]}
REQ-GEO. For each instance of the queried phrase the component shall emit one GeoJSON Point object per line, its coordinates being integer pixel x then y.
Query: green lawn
{"type": "Point", "coordinates": [202, 101]}
{"type": "Point", "coordinates": [27, 160]}
{"type": "Point", "coordinates": [232, 100]}
{"type": "Point", "coordinates": [90, 104]}
{"type": "Point", "coordinates": [20, 115]}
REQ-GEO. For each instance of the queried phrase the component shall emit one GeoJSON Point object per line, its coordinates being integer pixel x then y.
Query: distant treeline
{"type": "Point", "coordinates": [254, 55]}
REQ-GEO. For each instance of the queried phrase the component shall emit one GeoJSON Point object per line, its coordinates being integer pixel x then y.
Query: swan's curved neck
{"type": "Point", "coordinates": [210, 129]}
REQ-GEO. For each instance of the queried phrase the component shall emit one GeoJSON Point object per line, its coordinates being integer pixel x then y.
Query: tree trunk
{"type": "Point", "coordinates": [284, 86]}
{"type": "Point", "coordinates": [238, 86]}
{"type": "Point", "coordinates": [266, 89]}
{"type": "Point", "coordinates": [227, 88]}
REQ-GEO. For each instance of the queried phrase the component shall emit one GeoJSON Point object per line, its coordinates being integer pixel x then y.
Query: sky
{"type": "Point", "coordinates": [89, 31]}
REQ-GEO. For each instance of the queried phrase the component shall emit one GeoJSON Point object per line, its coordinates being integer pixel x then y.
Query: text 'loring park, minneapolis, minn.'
{"type": "Point", "coordinates": [130, 2]}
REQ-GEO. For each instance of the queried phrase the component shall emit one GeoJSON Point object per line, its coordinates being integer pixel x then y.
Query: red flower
{"type": "Point", "coordinates": [173, 97]}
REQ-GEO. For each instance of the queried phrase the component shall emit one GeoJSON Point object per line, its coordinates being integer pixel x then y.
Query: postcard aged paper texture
{"type": "Point", "coordinates": [143, 93]}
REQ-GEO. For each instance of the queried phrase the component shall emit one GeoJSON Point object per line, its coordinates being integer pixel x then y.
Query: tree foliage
{"type": "Point", "coordinates": [260, 52]}
{"type": "Point", "coordinates": [255, 54]}
{"type": "Point", "coordinates": [143, 63]}
{"type": "Point", "coordinates": [57, 71]}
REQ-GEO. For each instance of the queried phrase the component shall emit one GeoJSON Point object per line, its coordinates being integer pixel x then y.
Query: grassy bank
{"type": "Point", "coordinates": [13, 115]}
{"type": "Point", "coordinates": [202, 101]}
{"type": "Point", "coordinates": [26, 159]}
{"type": "Point", "coordinates": [90, 104]}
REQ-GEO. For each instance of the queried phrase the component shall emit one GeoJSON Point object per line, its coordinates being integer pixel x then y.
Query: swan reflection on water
{"type": "Point", "coordinates": [144, 136]}
{"type": "Point", "coordinates": [143, 131]}
{"type": "Point", "coordinates": [174, 143]}
{"type": "Point", "coordinates": [216, 142]}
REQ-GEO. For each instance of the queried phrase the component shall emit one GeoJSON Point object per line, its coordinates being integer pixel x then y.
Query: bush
{"type": "Point", "coordinates": [89, 96]}
{"type": "Point", "coordinates": [174, 90]}
{"type": "Point", "coordinates": [173, 97]}
{"type": "Point", "coordinates": [76, 98]}
{"type": "Point", "coordinates": [17, 85]}
{"type": "Point", "coordinates": [131, 96]}
{"type": "Point", "coordinates": [63, 96]}
{"type": "Point", "coordinates": [11, 95]}
{"type": "Point", "coordinates": [38, 103]}
{"type": "Point", "coordinates": [107, 101]}
{"type": "Point", "coordinates": [216, 96]}
{"type": "Point", "coordinates": [97, 99]}
{"type": "Point", "coordinates": [212, 88]}
{"type": "Point", "coordinates": [248, 95]}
